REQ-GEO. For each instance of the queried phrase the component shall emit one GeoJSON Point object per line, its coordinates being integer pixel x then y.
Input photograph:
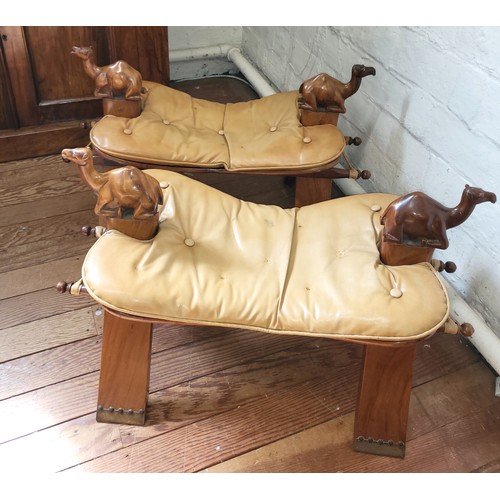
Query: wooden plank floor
{"type": "Point", "coordinates": [221, 400]}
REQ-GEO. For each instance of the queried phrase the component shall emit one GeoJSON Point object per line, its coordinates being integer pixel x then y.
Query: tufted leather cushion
{"type": "Point", "coordinates": [314, 270]}
{"type": "Point", "coordinates": [175, 129]}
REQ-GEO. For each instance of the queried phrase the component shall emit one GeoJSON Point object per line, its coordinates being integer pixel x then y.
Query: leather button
{"type": "Point", "coordinates": [127, 131]}
{"type": "Point", "coordinates": [189, 242]}
{"type": "Point", "coordinates": [221, 132]}
{"type": "Point", "coordinates": [307, 140]}
{"type": "Point", "coordinates": [376, 208]}
{"type": "Point", "coordinates": [166, 122]}
{"type": "Point", "coordinates": [273, 129]}
{"type": "Point", "coordinates": [396, 293]}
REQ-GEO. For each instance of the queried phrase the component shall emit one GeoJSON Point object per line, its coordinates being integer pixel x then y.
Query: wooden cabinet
{"type": "Point", "coordinates": [45, 97]}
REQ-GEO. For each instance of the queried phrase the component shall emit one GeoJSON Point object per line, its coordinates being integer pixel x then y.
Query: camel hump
{"type": "Point", "coordinates": [316, 82]}
{"type": "Point", "coordinates": [322, 79]}
{"type": "Point", "coordinates": [134, 177]}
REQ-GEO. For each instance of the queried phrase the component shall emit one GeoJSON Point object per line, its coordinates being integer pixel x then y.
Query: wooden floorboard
{"type": "Point", "coordinates": [221, 400]}
{"type": "Point", "coordinates": [431, 445]}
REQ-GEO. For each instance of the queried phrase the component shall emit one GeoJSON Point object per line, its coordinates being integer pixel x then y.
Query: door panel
{"type": "Point", "coordinates": [143, 47]}
{"type": "Point", "coordinates": [58, 74]}
{"type": "Point", "coordinates": [43, 85]}
{"type": "Point", "coordinates": [8, 115]}
{"type": "Point", "coordinates": [49, 83]}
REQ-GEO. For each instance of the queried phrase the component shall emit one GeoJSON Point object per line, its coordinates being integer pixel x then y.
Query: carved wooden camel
{"type": "Point", "coordinates": [119, 189]}
{"type": "Point", "coordinates": [418, 220]}
{"type": "Point", "coordinates": [113, 81]}
{"type": "Point", "coordinates": [324, 91]}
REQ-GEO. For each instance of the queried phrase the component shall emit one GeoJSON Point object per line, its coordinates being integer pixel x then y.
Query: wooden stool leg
{"type": "Point", "coordinates": [124, 377]}
{"type": "Point", "coordinates": [309, 190]}
{"type": "Point", "coordinates": [384, 399]}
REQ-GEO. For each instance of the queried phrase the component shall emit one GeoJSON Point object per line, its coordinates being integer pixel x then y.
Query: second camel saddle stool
{"type": "Point", "coordinates": [150, 125]}
{"type": "Point", "coordinates": [174, 250]}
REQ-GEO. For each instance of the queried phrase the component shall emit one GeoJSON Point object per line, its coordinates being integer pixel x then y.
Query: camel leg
{"type": "Point", "coordinates": [124, 376]}
{"type": "Point", "coordinates": [384, 399]}
{"type": "Point", "coordinates": [336, 108]}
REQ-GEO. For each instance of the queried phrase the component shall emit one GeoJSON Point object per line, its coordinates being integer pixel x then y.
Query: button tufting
{"type": "Point", "coordinates": [376, 208]}
{"type": "Point", "coordinates": [164, 184]}
{"type": "Point", "coordinates": [396, 293]}
{"type": "Point", "coordinates": [273, 129]}
{"type": "Point", "coordinates": [166, 122]}
{"type": "Point", "coordinates": [127, 131]}
{"type": "Point", "coordinates": [307, 140]}
{"type": "Point", "coordinates": [189, 242]}
{"type": "Point", "coordinates": [221, 132]}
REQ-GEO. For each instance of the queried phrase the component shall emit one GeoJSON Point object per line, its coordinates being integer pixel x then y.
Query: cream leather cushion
{"type": "Point", "coordinates": [175, 129]}
{"type": "Point", "coordinates": [315, 270]}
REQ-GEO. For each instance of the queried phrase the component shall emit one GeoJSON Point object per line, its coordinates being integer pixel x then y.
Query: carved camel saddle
{"type": "Point", "coordinates": [221, 261]}
{"type": "Point", "coordinates": [151, 125]}
{"type": "Point", "coordinates": [359, 268]}
{"type": "Point", "coordinates": [311, 271]}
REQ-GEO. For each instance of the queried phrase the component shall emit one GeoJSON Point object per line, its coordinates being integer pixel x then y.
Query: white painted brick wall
{"type": "Point", "coordinates": [429, 119]}
{"type": "Point", "coordinates": [190, 37]}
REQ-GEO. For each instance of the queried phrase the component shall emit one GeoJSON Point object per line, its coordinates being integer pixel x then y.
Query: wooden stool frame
{"type": "Point", "coordinates": [383, 395]}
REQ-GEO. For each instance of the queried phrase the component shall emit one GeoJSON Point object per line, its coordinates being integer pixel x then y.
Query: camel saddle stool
{"type": "Point", "coordinates": [150, 125]}
{"type": "Point", "coordinates": [172, 249]}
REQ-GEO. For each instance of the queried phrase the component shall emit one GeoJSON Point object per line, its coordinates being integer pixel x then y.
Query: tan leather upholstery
{"type": "Point", "coordinates": [175, 129]}
{"type": "Point", "coordinates": [310, 271]}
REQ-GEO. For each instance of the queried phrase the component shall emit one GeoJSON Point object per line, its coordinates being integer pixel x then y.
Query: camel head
{"type": "Point", "coordinates": [84, 53]}
{"type": "Point", "coordinates": [477, 195]}
{"type": "Point", "coordinates": [360, 71]}
{"type": "Point", "coordinates": [80, 156]}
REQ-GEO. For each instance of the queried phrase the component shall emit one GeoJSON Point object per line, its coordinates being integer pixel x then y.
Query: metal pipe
{"type": "Point", "coordinates": [211, 52]}
{"type": "Point", "coordinates": [260, 85]}
{"type": "Point", "coordinates": [233, 54]}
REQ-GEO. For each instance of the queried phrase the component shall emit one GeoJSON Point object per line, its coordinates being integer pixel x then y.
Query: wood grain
{"type": "Point", "coordinates": [311, 190]}
{"type": "Point", "coordinates": [125, 368]}
{"type": "Point", "coordinates": [48, 406]}
{"type": "Point", "coordinates": [309, 451]}
{"type": "Point", "coordinates": [43, 139]}
{"type": "Point", "coordinates": [43, 334]}
{"type": "Point", "coordinates": [39, 276]}
{"type": "Point", "coordinates": [384, 396]}
{"type": "Point", "coordinates": [39, 305]}
{"type": "Point", "coordinates": [34, 242]}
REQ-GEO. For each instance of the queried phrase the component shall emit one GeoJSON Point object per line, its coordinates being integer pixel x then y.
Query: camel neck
{"type": "Point", "coordinates": [91, 68]}
{"type": "Point", "coordinates": [354, 84]}
{"type": "Point", "coordinates": [461, 212]}
{"type": "Point", "coordinates": [91, 177]}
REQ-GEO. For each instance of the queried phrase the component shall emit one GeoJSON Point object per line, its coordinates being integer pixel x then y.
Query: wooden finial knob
{"type": "Point", "coordinates": [356, 141]}
{"type": "Point", "coordinates": [450, 267]}
{"type": "Point", "coordinates": [466, 329]}
{"type": "Point", "coordinates": [439, 265]}
{"type": "Point", "coordinates": [63, 287]}
{"type": "Point", "coordinates": [73, 287]}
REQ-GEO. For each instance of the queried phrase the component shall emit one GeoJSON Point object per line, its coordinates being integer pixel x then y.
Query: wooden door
{"type": "Point", "coordinates": [45, 96]}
